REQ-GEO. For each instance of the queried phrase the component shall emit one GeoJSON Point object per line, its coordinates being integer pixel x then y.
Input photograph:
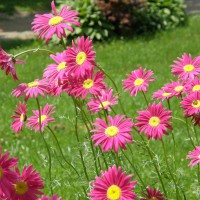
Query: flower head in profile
{"type": "Point", "coordinates": [7, 175]}
{"type": "Point", "coordinates": [152, 194]}
{"type": "Point", "coordinates": [186, 68]}
{"type": "Point", "coordinates": [54, 197]}
{"type": "Point", "coordinates": [7, 63]}
{"type": "Point", "coordinates": [163, 94]}
{"type": "Point", "coordinates": [34, 121]}
{"type": "Point", "coordinates": [154, 121]}
{"type": "Point", "coordinates": [191, 104]}
{"type": "Point", "coordinates": [113, 185]}
{"type": "Point", "coordinates": [19, 118]}
{"type": "Point", "coordinates": [28, 186]}
{"type": "Point", "coordinates": [113, 135]}
{"type": "Point", "coordinates": [81, 57]}
{"type": "Point", "coordinates": [89, 83]}
{"type": "Point", "coordinates": [194, 155]}
{"type": "Point", "coordinates": [47, 25]}
{"type": "Point", "coordinates": [193, 86]}
{"type": "Point", "coordinates": [32, 89]}
{"type": "Point", "coordinates": [57, 70]}
{"type": "Point", "coordinates": [104, 101]}
{"type": "Point", "coordinates": [138, 80]}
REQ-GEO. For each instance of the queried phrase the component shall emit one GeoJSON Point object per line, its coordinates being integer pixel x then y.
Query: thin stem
{"type": "Point", "coordinates": [196, 135]}
{"type": "Point", "coordinates": [165, 155]}
{"type": "Point", "coordinates": [135, 169]}
{"type": "Point", "coordinates": [198, 174]}
{"type": "Point", "coordinates": [63, 43]}
{"type": "Point", "coordinates": [78, 140]}
{"type": "Point", "coordinates": [46, 145]}
{"type": "Point", "coordinates": [189, 133]}
{"type": "Point", "coordinates": [168, 103]}
{"type": "Point", "coordinates": [62, 152]}
{"type": "Point", "coordinates": [145, 98]}
{"type": "Point", "coordinates": [33, 51]}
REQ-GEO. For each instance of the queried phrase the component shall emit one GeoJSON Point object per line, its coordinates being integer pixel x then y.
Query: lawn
{"type": "Point", "coordinates": [118, 57]}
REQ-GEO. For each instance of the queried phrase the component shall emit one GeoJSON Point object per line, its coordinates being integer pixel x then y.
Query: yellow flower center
{"type": "Point", "coordinates": [55, 20]}
{"type": "Point", "coordinates": [114, 192]}
{"type": "Point", "coordinates": [1, 173]}
{"type": "Point", "coordinates": [21, 117]}
{"type": "Point", "coordinates": [178, 88]}
{"type": "Point", "coordinates": [61, 66]}
{"type": "Point", "coordinates": [138, 81]}
{"type": "Point", "coordinates": [87, 84]}
{"type": "Point", "coordinates": [188, 68]}
{"type": "Point", "coordinates": [111, 131]}
{"type": "Point", "coordinates": [32, 84]}
{"type": "Point", "coordinates": [21, 187]}
{"type": "Point", "coordinates": [166, 94]}
{"type": "Point", "coordinates": [104, 104]}
{"type": "Point", "coordinates": [196, 88]}
{"type": "Point", "coordinates": [80, 58]}
{"type": "Point", "coordinates": [43, 117]}
{"type": "Point", "coordinates": [154, 121]}
{"type": "Point", "coordinates": [196, 103]}
{"type": "Point", "coordinates": [153, 198]}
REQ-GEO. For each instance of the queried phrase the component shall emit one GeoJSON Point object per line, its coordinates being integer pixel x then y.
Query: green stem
{"type": "Point", "coordinates": [168, 103]}
{"type": "Point", "coordinates": [135, 169]}
{"type": "Point", "coordinates": [46, 145]}
{"type": "Point", "coordinates": [196, 135]}
{"type": "Point", "coordinates": [165, 155]}
{"type": "Point", "coordinates": [198, 174]}
{"type": "Point", "coordinates": [191, 140]}
{"type": "Point", "coordinates": [62, 152]}
{"type": "Point", "coordinates": [63, 43]}
{"type": "Point", "coordinates": [145, 98]}
{"type": "Point", "coordinates": [33, 51]}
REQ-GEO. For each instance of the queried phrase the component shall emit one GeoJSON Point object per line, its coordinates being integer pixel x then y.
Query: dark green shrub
{"type": "Point", "coordinates": [160, 15]}
{"type": "Point", "coordinates": [93, 24]}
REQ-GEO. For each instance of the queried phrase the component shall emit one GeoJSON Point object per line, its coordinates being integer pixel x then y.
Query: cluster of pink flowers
{"type": "Point", "coordinates": [14, 185]}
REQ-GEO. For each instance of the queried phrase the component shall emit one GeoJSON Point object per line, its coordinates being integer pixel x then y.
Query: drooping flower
{"type": "Point", "coordinates": [152, 194]}
{"type": "Point", "coordinates": [154, 121]}
{"type": "Point", "coordinates": [194, 155]}
{"type": "Point", "coordinates": [54, 197]}
{"type": "Point", "coordinates": [7, 63]}
{"type": "Point", "coordinates": [58, 70]}
{"type": "Point", "coordinates": [193, 86]}
{"type": "Point", "coordinates": [7, 175]}
{"type": "Point", "coordinates": [34, 121]}
{"type": "Point", "coordinates": [31, 89]}
{"type": "Point", "coordinates": [89, 83]}
{"type": "Point", "coordinates": [115, 134]}
{"type": "Point", "coordinates": [104, 101]}
{"type": "Point", "coordinates": [196, 119]}
{"type": "Point", "coordinates": [47, 25]}
{"type": "Point", "coordinates": [186, 67]}
{"type": "Point", "coordinates": [80, 58]}
{"type": "Point", "coordinates": [191, 104]}
{"type": "Point", "coordinates": [113, 185]}
{"type": "Point", "coordinates": [138, 80]}
{"type": "Point", "coordinates": [28, 186]}
{"type": "Point", "coordinates": [19, 118]}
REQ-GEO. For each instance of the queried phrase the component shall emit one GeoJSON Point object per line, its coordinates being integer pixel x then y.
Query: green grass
{"type": "Point", "coordinates": [117, 57]}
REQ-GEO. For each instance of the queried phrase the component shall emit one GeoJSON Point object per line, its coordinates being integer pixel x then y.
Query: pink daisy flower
{"type": "Point", "coordinates": [138, 80]}
{"type": "Point", "coordinates": [48, 24]}
{"type": "Point", "coordinates": [163, 94]}
{"type": "Point", "coordinates": [45, 118]}
{"type": "Point", "coordinates": [7, 63]}
{"type": "Point", "coordinates": [186, 67]}
{"type": "Point", "coordinates": [28, 186]}
{"type": "Point", "coordinates": [80, 58]}
{"type": "Point", "coordinates": [54, 197]}
{"type": "Point", "coordinates": [193, 86]}
{"type": "Point", "coordinates": [19, 118]}
{"type": "Point", "coordinates": [113, 185]}
{"type": "Point", "coordinates": [113, 135]}
{"type": "Point", "coordinates": [175, 88]}
{"type": "Point", "coordinates": [195, 156]}
{"type": "Point", "coordinates": [154, 121]}
{"type": "Point", "coordinates": [7, 176]}
{"type": "Point", "coordinates": [31, 89]}
{"type": "Point", "coordinates": [191, 104]}
{"type": "Point", "coordinates": [89, 83]}
{"type": "Point", "coordinates": [104, 101]}
{"type": "Point", "coordinates": [153, 194]}
{"type": "Point", "coordinates": [58, 70]}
